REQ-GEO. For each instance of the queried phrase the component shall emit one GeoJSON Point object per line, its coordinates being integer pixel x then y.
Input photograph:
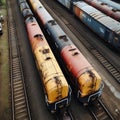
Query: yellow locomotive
{"type": "Point", "coordinates": [56, 89]}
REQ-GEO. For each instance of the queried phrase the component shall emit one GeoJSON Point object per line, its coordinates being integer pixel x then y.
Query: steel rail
{"type": "Point", "coordinates": [19, 100]}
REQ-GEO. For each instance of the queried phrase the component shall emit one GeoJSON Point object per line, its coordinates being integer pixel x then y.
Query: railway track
{"type": "Point", "coordinates": [64, 115]}
{"type": "Point", "coordinates": [99, 111]}
{"type": "Point", "coordinates": [108, 65]}
{"type": "Point", "coordinates": [20, 108]}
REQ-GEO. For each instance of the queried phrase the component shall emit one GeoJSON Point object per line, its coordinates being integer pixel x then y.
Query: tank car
{"type": "Point", "coordinates": [86, 81]}
{"type": "Point", "coordinates": [105, 8]}
{"type": "Point", "coordinates": [106, 27]}
{"type": "Point", "coordinates": [56, 89]}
